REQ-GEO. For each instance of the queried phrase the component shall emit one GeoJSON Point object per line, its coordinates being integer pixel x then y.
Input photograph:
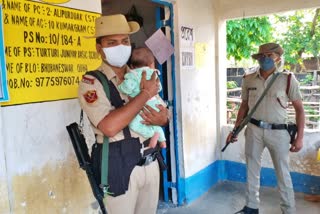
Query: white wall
{"type": "Point", "coordinates": [198, 89]}
{"type": "Point", "coordinates": [41, 171]}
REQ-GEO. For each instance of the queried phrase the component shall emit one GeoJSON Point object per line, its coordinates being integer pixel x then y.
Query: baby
{"type": "Point", "coordinates": [141, 60]}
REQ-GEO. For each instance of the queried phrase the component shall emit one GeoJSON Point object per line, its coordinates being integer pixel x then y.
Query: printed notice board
{"type": "Point", "coordinates": [3, 73]}
{"type": "Point", "coordinates": [46, 50]}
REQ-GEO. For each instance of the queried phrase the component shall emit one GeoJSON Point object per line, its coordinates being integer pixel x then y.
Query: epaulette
{"type": "Point", "coordinates": [287, 72]}
{"type": "Point", "coordinates": [250, 72]}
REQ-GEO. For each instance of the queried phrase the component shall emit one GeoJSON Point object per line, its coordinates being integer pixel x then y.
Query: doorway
{"type": "Point", "coordinates": [152, 15]}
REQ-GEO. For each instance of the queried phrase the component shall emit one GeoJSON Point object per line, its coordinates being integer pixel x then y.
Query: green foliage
{"type": "Point", "coordinates": [300, 36]}
{"type": "Point", "coordinates": [245, 35]}
{"type": "Point", "coordinates": [307, 80]}
{"type": "Point", "coordinates": [232, 84]}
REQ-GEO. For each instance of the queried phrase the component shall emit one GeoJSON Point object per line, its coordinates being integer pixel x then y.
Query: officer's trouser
{"type": "Point", "coordinates": [142, 195]}
{"type": "Point", "coordinates": [277, 142]}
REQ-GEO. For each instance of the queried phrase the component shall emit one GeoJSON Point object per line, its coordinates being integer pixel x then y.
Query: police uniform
{"type": "Point", "coordinates": [143, 191]}
{"type": "Point", "coordinates": [271, 110]}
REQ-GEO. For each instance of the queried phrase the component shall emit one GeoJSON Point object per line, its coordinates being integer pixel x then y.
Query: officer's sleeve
{"type": "Point", "coordinates": [93, 99]}
{"type": "Point", "coordinates": [294, 90]}
{"type": "Point", "coordinates": [244, 90]}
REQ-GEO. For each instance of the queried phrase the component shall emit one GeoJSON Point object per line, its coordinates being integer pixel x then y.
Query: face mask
{"type": "Point", "coordinates": [117, 56]}
{"type": "Point", "coordinates": [266, 63]}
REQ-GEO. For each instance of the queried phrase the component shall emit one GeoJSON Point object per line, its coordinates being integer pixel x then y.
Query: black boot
{"type": "Point", "coordinates": [248, 210]}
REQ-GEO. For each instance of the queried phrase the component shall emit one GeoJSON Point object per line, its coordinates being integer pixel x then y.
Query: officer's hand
{"type": "Point", "coordinates": [152, 117]}
{"type": "Point", "coordinates": [150, 86]}
{"type": "Point", "coordinates": [296, 145]}
{"type": "Point", "coordinates": [231, 139]}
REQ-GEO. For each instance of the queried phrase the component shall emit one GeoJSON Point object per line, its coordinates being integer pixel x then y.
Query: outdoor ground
{"type": "Point", "coordinates": [228, 197]}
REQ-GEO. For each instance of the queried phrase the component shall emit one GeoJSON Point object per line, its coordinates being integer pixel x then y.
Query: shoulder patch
{"type": "Point", "coordinates": [90, 96]}
{"type": "Point", "coordinates": [87, 80]}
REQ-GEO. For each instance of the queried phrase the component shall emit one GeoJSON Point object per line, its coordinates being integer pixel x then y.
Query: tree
{"type": "Point", "coordinates": [245, 35]}
{"type": "Point", "coordinates": [301, 35]}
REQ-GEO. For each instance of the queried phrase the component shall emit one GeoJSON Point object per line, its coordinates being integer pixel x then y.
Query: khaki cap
{"type": "Point", "coordinates": [267, 48]}
{"type": "Point", "coordinates": [114, 24]}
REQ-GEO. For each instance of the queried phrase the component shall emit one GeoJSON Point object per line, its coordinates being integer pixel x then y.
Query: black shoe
{"type": "Point", "coordinates": [248, 210]}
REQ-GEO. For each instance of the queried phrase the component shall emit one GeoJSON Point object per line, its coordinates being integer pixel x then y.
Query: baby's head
{"type": "Point", "coordinates": [141, 57]}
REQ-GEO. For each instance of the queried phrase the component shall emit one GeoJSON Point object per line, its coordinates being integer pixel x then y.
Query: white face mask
{"type": "Point", "coordinates": [117, 56]}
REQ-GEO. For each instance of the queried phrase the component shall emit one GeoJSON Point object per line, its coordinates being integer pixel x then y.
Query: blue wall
{"type": "Point", "coordinates": [202, 181]}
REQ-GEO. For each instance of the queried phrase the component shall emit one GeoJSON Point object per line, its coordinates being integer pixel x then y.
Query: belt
{"type": "Point", "coordinates": [148, 155]}
{"type": "Point", "coordinates": [266, 125]}
{"type": "Point", "coordinates": [146, 160]}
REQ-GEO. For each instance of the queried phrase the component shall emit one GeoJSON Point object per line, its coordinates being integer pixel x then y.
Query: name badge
{"type": "Point", "coordinates": [252, 89]}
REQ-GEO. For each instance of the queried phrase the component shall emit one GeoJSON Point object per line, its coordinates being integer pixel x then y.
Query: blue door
{"type": "Point", "coordinates": [170, 177]}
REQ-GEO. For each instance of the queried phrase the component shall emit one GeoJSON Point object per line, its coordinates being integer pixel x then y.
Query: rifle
{"type": "Point", "coordinates": [81, 149]}
{"type": "Point", "coordinates": [246, 120]}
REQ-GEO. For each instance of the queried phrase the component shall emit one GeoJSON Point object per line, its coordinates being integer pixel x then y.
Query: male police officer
{"type": "Point", "coordinates": [267, 128]}
{"type": "Point", "coordinates": [113, 44]}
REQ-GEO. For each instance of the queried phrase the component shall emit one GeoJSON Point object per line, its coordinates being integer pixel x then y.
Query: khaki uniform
{"type": "Point", "coordinates": [272, 109]}
{"type": "Point", "coordinates": [143, 191]}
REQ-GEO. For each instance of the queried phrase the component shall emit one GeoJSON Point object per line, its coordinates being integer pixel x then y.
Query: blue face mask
{"type": "Point", "coordinates": [266, 63]}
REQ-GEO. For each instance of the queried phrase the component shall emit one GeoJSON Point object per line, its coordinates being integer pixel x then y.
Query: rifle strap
{"type": "Point", "coordinates": [288, 83]}
{"type": "Point", "coordinates": [105, 147]}
{"type": "Point", "coordinates": [248, 117]}
{"type": "Point", "coordinates": [116, 100]}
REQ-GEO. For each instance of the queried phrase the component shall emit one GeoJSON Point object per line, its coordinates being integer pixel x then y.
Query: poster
{"type": "Point", "coordinates": [160, 46]}
{"type": "Point", "coordinates": [201, 51]}
{"type": "Point", "coordinates": [46, 50]}
{"type": "Point", "coordinates": [3, 73]}
{"type": "Point", "coordinates": [187, 47]}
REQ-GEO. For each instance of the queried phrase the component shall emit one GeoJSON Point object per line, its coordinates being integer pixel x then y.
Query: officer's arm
{"type": "Point", "coordinates": [119, 118]}
{"type": "Point", "coordinates": [300, 121]}
{"type": "Point", "coordinates": [242, 113]}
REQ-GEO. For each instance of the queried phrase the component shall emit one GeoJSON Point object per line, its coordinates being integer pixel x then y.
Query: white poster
{"type": "Point", "coordinates": [160, 46]}
{"type": "Point", "coordinates": [187, 41]}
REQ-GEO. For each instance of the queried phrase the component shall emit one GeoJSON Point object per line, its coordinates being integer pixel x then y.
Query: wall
{"type": "Point", "coordinates": [196, 96]}
{"type": "Point", "coordinates": [39, 171]}
{"type": "Point", "coordinates": [42, 172]}
{"type": "Point", "coordinates": [197, 91]}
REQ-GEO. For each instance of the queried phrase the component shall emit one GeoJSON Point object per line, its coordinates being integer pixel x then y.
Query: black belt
{"type": "Point", "coordinates": [266, 125]}
{"type": "Point", "coordinates": [148, 155]}
{"type": "Point", "coordinates": [146, 160]}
